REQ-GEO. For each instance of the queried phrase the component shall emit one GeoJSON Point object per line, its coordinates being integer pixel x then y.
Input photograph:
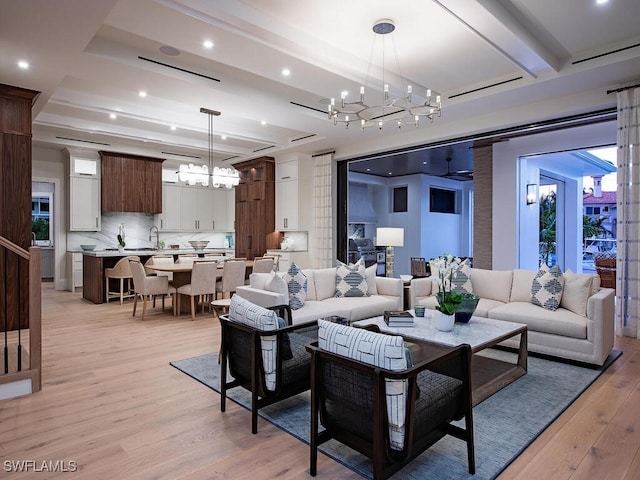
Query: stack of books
{"type": "Point", "coordinates": [398, 319]}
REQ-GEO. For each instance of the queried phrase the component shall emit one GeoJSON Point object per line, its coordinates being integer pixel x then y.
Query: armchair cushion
{"type": "Point", "coordinates": [385, 351]}
{"type": "Point", "coordinates": [255, 316]}
{"type": "Point", "coordinates": [351, 280]}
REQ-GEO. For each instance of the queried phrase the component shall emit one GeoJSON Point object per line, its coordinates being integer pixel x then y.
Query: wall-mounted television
{"type": "Point", "coordinates": [442, 200]}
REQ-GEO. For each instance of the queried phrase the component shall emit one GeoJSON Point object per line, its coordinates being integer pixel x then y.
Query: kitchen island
{"type": "Point", "coordinates": [95, 262]}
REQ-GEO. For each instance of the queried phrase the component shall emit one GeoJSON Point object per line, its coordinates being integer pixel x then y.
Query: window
{"type": "Point", "coordinates": [400, 199]}
{"type": "Point", "coordinates": [596, 210]}
{"type": "Point", "coordinates": [589, 210]}
{"type": "Point", "coordinates": [41, 219]}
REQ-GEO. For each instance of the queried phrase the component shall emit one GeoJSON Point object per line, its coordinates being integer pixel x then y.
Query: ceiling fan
{"type": "Point", "coordinates": [460, 175]}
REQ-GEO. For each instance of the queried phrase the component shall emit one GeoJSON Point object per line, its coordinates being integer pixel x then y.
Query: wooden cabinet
{"type": "Point", "coordinates": [15, 202]}
{"type": "Point", "coordinates": [293, 193]}
{"type": "Point", "coordinates": [131, 183]}
{"type": "Point", "coordinates": [255, 208]}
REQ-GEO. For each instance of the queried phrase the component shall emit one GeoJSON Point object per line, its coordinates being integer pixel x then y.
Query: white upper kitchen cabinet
{"type": "Point", "coordinates": [294, 181]}
{"type": "Point", "coordinates": [84, 193]}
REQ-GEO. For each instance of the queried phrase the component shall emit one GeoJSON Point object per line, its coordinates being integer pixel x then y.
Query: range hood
{"type": "Point", "coordinates": [361, 204]}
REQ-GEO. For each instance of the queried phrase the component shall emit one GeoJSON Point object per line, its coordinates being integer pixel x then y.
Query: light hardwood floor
{"type": "Point", "coordinates": [112, 403]}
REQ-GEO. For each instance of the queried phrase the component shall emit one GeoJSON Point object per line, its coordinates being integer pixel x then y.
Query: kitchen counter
{"type": "Point", "coordinates": [146, 252]}
{"type": "Point", "coordinates": [95, 262]}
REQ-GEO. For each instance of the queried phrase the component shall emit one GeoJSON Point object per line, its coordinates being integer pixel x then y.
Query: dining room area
{"type": "Point", "coordinates": [183, 284]}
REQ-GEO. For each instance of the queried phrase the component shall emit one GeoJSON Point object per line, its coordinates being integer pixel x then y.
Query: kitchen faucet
{"type": "Point", "coordinates": [157, 236]}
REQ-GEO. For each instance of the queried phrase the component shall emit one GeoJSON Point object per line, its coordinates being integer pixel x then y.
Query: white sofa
{"type": "Point", "coordinates": [581, 329]}
{"type": "Point", "coordinates": [386, 294]}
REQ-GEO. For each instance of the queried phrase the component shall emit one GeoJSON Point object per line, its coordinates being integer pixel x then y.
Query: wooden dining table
{"type": "Point", "coordinates": [182, 271]}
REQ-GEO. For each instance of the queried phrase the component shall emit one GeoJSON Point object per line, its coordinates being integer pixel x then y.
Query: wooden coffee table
{"type": "Point", "coordinates": [488, 375]}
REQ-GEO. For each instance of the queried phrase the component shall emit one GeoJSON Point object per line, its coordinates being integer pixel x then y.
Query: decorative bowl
{"type": "Point", "coordinates": [465, 310]}
{"type": "Point", "coordinates": [406, 278]}
{"type": "Point", "coordinates": [199, 244]}
{"type": "Point", "coordinates": [88, 248]}
{"type": "Point", "coordinates": [174, 247]}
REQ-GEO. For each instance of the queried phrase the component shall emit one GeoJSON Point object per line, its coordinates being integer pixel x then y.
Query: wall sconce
{"type": "Point", "coordinates": [532, 193]}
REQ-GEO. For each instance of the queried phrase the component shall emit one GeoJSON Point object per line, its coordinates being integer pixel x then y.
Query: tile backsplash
{"type": "Point", "coordinates": [137, 226]}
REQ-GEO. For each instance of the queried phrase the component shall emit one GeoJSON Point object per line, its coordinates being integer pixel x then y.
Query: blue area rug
{"type": "Point", "coordinates": [505, 424]}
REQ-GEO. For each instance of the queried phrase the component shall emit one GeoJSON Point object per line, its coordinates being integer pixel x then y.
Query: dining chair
{"type": "Point", "coordinates": [149, 286]}
{"type": "Point", "coordinates": [276, 260]}
{"type": "Point", "coordinates": [203, 283]}
{"type": "Point", "coordinates": [233, 275]}
{"type": "Point", "coordinates": [187, 258]}
{"type": "Point", "coordinates": [159, 260]}
{"type": "Point", "coordinates": [263, 264]}
{"type": "Point", "coordinates": [121, 271]}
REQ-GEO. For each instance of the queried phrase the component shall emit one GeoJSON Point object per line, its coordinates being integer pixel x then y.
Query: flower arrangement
{"type": "Point", "coordinates": [121, 235]}
{"type": "Point", "coordinates": [448, 299]}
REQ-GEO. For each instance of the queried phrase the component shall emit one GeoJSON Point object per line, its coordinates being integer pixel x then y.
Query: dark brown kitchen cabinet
{"type": "Point", "coordinates": [131, 183]}
{"type": "Point", "coordinates": [255, 208]}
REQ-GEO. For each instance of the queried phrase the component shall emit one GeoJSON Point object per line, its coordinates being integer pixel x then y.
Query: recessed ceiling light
{"type": "Point", "coordinates": [142, 93]}
{"type": "Point", "coordinates": [601, 2]}
{"type": "Point", "coordinates": [173, 128]}
{"type": "Point", "coordinates": [390, 173]}
{"type": "Point", "coordinates": [368, 169]}
{"type": "Point", "coordinates": [286, 72]}
{"type": "Point", "coordinates": [23, 64]}
{"type": "Point", "coordinates": [223, 137]}
{"type": "Point", "coordinates": [207, 44]}
{"type": "Point", "coordinates": [263, 122]}
{"type": "Point", "coordinates": [424, 163]}
{"type": "Point", "coordinates": [113, 116]}
{"type": "Point", "coordinates": [169, 50]}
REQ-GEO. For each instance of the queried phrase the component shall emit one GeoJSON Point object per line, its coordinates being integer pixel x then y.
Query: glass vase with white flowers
{"type": "Point", "coordinates": [448, 299]}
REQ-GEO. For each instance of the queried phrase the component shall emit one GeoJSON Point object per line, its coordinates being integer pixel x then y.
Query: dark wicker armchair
{"type": "Point", "coordinates": [242, 350]}
{"type": "Point", "coordinates": [348, 399]}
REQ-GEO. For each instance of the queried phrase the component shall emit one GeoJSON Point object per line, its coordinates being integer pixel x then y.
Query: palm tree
{"type": "Point", "coordinates": [547, 241]}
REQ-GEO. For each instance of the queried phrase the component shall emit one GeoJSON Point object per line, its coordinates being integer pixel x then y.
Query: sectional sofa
{"type": "Point", "coordinates": [384, 294]}
{"type": "Point", "coordinates": [581, 329]}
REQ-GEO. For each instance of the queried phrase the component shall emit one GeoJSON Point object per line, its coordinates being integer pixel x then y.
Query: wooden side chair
{"type": "Point", "coordinates": [380, 404]}
{"type": "Point", "coordinates": [263, 264]}
{"type": "Point", "coordinates": [264, 355]}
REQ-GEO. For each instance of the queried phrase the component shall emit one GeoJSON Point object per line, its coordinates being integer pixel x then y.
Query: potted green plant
{"type": "Point", "coordinates": [448, 299]}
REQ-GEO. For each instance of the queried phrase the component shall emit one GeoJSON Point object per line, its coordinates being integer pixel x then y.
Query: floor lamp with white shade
{"type": "Point", "coordinates": [390, 237]}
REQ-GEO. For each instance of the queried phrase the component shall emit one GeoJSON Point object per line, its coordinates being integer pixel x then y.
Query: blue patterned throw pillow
{"type": "Point", "coordinates": [297, 286]}
{"type": "Point", "coordinates": [351, 280]}
{"type": "Point", "coordinates": [547, 287]}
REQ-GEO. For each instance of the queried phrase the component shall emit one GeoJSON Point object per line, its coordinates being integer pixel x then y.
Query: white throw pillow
{"type": "Point", "coordinates": [577, 289]}
{"type": "Point", "coordinates": [351, 280]}
{"type": "Point", "coordinates": [370, 273]}
{"type": "Point", "coordinates": [547, 286]}
{"type": "Point", "coordinates": [277, 284]}
{"type": "Point", "coordinates": [297, 286]}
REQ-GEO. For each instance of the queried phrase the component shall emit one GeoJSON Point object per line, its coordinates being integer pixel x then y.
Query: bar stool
{"type": "Point", "coordinates": [121, 271]}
